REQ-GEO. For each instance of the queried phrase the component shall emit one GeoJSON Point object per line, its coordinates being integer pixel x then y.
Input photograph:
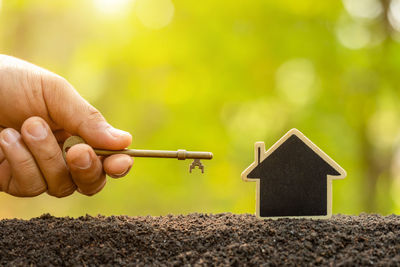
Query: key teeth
{"type": "Point", "coordinates": [197, 163]}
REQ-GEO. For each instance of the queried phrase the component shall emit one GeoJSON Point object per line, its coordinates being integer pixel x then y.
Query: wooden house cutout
{"type": "Point", "coordinates": [294, 178]}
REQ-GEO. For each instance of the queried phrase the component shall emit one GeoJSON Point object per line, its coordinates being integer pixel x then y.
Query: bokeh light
{"type": "Point", "coordinates": [366, 9]}
{"type": "Point", "coordinates": [296, 81]}
{"type": "Point", "coordinates": [155, 14]}
{"type": "Point", "coordinates": [353, 35]}
{"type": "Point", "coordinates": [394, 14]}
{"type": "Point", "coordinates": [113, 7]}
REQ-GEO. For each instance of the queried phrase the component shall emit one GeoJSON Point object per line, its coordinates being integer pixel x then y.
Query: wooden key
{"type": "Point", "coordinates": [179, 154]}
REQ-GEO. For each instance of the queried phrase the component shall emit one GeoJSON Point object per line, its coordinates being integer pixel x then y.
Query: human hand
{"type": "Point", "coordinates": [38, 111]}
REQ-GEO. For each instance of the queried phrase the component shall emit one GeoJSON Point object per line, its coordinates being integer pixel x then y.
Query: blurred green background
{"type": "Point", "coordinates": [218, 76]}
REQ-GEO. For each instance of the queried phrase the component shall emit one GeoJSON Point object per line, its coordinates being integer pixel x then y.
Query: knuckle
{"type": "Point", "coordinates": [27, 164]}
{"type": "Point", "coordinates": [57, 85]}
{"type": "Point", "coordinates": [36, 192]}
{"type": "Point", "coordinates": [55, 81]}
{"type": "Point", "coordinates": [27, 181]}
{"type": "Point", "coordinates": [53, 156]}
{"type": "Point", "coordinates": [87, 180]}
{"type": "Point", "coordinates": [91, 191]}
{"type": "Point", "coordinates": [26, 190]}
{"type": "Point", "coordinates": [61, 192]}
{"type": "Point", "coordinates": [93, 115]}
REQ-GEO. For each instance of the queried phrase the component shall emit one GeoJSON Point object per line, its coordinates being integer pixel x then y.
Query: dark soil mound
{"type": "Point", "coordinates": [199, 239]}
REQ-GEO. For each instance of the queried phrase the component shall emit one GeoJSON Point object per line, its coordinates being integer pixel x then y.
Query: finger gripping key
{"type": "Point", "coordinates": [70, 142]}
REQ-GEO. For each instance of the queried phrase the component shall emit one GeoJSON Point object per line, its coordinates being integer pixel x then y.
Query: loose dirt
{"type": "Point", "coordinates": [200, 239]}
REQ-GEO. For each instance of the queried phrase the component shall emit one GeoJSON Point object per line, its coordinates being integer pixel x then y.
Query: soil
{"type": "Point", "coordinates": [200, 239]}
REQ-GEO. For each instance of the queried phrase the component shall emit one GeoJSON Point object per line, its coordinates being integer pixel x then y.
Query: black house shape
{"type": "Point", "coordinates": [293, 178]}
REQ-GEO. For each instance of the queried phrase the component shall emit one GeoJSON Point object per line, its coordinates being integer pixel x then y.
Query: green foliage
{"type": "Point", "coordinates": [218, 76]}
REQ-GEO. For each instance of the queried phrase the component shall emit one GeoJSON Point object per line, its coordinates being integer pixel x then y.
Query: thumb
{"type": "Point", "coordinates": [72, 112]}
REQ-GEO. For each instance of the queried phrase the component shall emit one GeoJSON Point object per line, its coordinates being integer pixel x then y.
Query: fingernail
{"type": "Point", "coordinates": [37, 130]}
{"type": "Point", "coordinates": [83, 162]}
{"type": "Point", "coordinates": [121, 174]}
{"type": "Point", "coordinates": [9, 137]}
{"type": "Point", "coordinates": [116, 133]}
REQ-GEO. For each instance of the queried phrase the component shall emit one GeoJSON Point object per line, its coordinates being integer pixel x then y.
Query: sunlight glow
{"type": "Point", "coordinates": [112, 7]}
{"type": "Point", "coordinates": [353, 35]}
{"type": "Point", "coordinates": [295, 80]}
{"type": "Point", "coordinates": [383, 128]}
{"type": "Point", "coordinates": [367, 9]}
{"type": "Point", "coordinates": [155, 14]}
{"type": "Point", "coordinates": [394, 14]}
{"type": "Point", "coordinates": [243, 120]}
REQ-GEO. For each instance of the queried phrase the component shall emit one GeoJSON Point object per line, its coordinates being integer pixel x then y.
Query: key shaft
{"type": "Point", "coordinates": [180, 154]}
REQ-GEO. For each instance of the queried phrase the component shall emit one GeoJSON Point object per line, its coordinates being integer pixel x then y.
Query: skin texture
{"type": "Point", "coordinates": [38, 111]}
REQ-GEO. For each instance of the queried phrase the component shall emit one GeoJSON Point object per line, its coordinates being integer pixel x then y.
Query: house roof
{"type": "Point", "coordinates": [293, 146]}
